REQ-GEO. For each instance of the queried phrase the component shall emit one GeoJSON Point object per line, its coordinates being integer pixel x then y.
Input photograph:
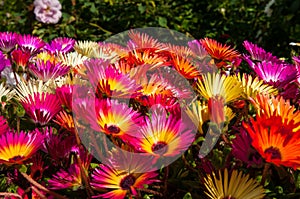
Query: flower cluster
{"type": "Point", "coordinates": [147, 119]}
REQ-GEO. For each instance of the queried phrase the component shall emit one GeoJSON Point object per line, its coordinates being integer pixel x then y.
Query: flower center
{"type": "Point", "coordinates": [275, 153]}
{"type": "Point", "coordinates": [113, 129]}
{"type": "Point", "coordinates": [16, 158]}
{"type": "Point", "coordinates": [159, 148]}
{"type": "Point", "coordinates": [127, 182]}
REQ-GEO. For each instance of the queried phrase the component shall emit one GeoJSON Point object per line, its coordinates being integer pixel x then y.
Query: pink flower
{"type": "Point", "coordinates": [47, 11]}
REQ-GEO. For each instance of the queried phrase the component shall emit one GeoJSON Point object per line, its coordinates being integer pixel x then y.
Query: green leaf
{"type": "Point", "coordinates": [162, 21]}
{"type": "Point", "coordinates": [187, 196]}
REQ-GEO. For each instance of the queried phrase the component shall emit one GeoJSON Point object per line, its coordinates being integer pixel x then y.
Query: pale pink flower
{"type": "Point", "coordinates": [47, 11]}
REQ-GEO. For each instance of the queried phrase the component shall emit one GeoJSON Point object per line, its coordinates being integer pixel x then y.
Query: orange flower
{"type": "Point", "coordinates": [275, 141]}
{"type": "Point", "coordinates": [219, 52]}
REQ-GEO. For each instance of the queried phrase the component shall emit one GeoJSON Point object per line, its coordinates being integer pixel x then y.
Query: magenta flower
{"type": "Point", "coordinates": [64, 179]}
{"type": "Point", "coordinates": [15, 147]}
{"type": "Point", "coordinates": [4, 62]}
{"type": "Point", "coordinates": [41, 107]}
{"type": "Point", "coordinates": [46, 70]}
{"type": "Point", "coordinates": [109, 81]}
{"type": "Point", "coordinates": [29, 43]}
{"type": "Point", "coordinates": [258, 54]}
{"type": "Point", "coordinates": [60, 44]}
{"type": "Point", "coordinates": [8, 41]}
{"type": "Point", "coordinates": [47, 11]}
{"type": "Point", "coordinates": [64, 94]}
{"type": "Point", "coordinates": [120, 182]}
{"type": "Point", "coordinates": [53, 142]}
{"type": "Point", "coordinates": [242, 149]}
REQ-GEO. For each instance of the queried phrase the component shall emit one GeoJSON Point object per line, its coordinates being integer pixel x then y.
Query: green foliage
{"type": "Point", "coordinates": [228, 21]}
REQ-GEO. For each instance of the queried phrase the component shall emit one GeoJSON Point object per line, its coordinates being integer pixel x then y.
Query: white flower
{"type": "Point", "coordinates": [47, 11]}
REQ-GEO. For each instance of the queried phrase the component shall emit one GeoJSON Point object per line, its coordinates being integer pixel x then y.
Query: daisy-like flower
{"type": "Point", "coordinates": [276, 74]}
{"type": "Point", "coordinates": [221, 53]}
{"type": "Point", "coordinates": [67, 179]}
{"type": "Point", "coordinates": [143, 41]}
{"type": "Point", "coordinates": [164, 136]}
{"type": "Point", "coordinates": [198, 113]}
{"type": "Point", "coordinates": [6, 94]}
{"type": "Point", "coordinates": [197, 49]}
{"type": "Point", "coordinates": [269, 106]}
{"type": "Point", "coordinates": [41, 107]}
{"type": "Point", "coordinates": [66, 144]}
{"type": "Point", "coordinates": [29, 43]}
{"type": "Point", "coordinates": [242, 149]}
{"type": "Point", "coordinates": [106, 51]}
{"type": "Point", "coordinates": [277, 144]}
{"type": "Point", "coordinates": [258, 54]}
{"type": "Point", "coordinates": [253, 86]}
{"type": "Point", "coordinates": [114, 118]}
{"type": "Point", "coordinates": [37, 168]}
{"type": "Point", "coordinates": [15, 147]}
{"type": "Point", "coordinates": [121, 182]}
{"type": "Point", "coordinates": [86, 48]}
{"type": "Point", "coordinates": [8, 41]}
{"type": "Point", "coordinates": [227, 87]}
{"type": "Point", "coordinates": [60, 44]}
{"type": "Point", "coordinates": [185, 67]}
{"type": "Point", "coordinates": [46, 70]}
{"type": "Point", "coordinates": [75, 61]}
{"type": "Point", "coordinates": [108, 81]}
{"type": "Point", "coordinates": [20, 58]}
{"type": "Point", "coordinates": [232, 186]}
{"type": "Point", "coordinates": [3, 125]}
{"type": "Point", "coordinates": [4, 62]}
{"type": "Point", "coordinates": [25, 89]}
{"type": "Point", "coordinates": [64, 94]}
{"type": "Point", "coordinates": [65, 120]}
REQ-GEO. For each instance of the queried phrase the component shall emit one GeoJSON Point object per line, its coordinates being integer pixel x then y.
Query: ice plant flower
{"type": "Point", "coordinates": [114, 118]}
{"type": "Point", "coordinates": [67, 179]}
{"type": "Point", "coordinates": [60, 45]}
{"type": "Point", "coordinates": [46, 70]}
{"type": "Point", "coordinates": [242, 149]}
{"type": "Point", "coordinates": [64, 94]}
{"type": "Point", "coordinates": [269, 106]}
{"type": "Point", "coordinates": [29, 43]}
{"type": "Point", "coordinates": [221, 53]}
{"type": "Point", "coordinates": [277, 144]}
{"type": "Point", "coordinates": [47, 11]}
{"type": "Point", "coordinates": [120, 182]}
{"type": "Point", "coordinates": [258, 54]}
{"type": "Point", "coordinates": [232, 186]}
{"type": "Point", "coordinates": [185, 67]}
{"type": "Point", "coordinates": [86, 48]}
{"type": "Point", "coordinates": [41, 107]}
{"type": "Point", "coordinates": [4, 62]}
{"type": "Point", "coordinates": [215, 84]}
{"type": "Point", "coordinates": [15, 147]}
{"type": "Point", "coordinates": [65, 120]}
{"type": "Point", "coordinates": [108, 81]}
{"type": "Point", "coordinates": [164, 136]}
{"type": "Point", "coordinates": [20, 58]}
{"type": "Point", "coordinates": [253, 86]}
{"type": "Point", "coordinates": [8, 41]}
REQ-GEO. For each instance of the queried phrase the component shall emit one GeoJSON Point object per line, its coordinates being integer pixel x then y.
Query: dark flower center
{"type": "Point", "coordinates": [16, 158]}
{"type": "Point", "coordinates": [275, 153]}
{"type": "Point", "coordinates": [113, 129]}
{"type": "Point", "coordinates": [159, 148]}
{"type": "Point", "coordinates": [127, 182]}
